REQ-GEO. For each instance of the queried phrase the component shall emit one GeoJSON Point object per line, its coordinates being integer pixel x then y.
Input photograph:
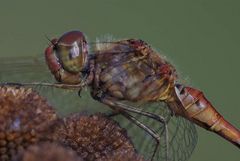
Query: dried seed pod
{"type": "Point", "coordinates": [93, 137]}
{"type": "Point", "coordinates": [47, 151]}
{"type": "Point", "coordinates": [24, 119]}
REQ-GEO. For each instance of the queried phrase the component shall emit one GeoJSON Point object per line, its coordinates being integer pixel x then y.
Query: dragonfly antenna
{"type": "Point", "coordinates": [49, 40]}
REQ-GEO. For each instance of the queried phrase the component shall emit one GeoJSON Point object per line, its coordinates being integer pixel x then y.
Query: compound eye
{"type": "Point", "coordinates": [72, 57]}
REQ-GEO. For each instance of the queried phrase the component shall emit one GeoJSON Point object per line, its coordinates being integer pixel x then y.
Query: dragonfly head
{"type": "Point", "coordinates": [67, 57]}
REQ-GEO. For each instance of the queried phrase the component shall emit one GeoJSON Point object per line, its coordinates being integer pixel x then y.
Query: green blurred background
{"type": "Point", "coordinates": [201, 38]}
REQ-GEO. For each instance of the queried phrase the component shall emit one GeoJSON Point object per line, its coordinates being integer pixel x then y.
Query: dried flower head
{"type": "Point", "coordinates": [93, 137]}
{"type": "Point", "coordinates": [47, 151]}
{"type": "Point", "coordinates": [24, 119]}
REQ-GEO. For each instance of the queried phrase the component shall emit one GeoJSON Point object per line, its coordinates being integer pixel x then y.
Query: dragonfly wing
{"type": "Point", "coordinates": [111, 47]}
{"type": "Point", "coordinates": [182, 134]}
{"type": "Point", "coordinates": [34, 69]}
{"type": "Point", "coordinates": [23, 69]}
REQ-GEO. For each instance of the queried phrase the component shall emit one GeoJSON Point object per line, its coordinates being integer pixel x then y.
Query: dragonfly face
{"type": "Point", "coordinates": [67, 56]}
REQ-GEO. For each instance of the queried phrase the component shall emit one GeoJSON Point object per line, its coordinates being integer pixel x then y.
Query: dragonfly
{"type": "Point", "coordinates": [182, 133]}
{"type": "Point", "coordinates": [124, 73]}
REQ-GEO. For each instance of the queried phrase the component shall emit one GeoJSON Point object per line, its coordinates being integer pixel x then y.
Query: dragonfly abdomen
{"type": "Point", "coordinates": [199, 110]}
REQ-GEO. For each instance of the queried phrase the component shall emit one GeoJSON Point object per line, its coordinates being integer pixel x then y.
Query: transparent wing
{"type": "Point", "coordinates": [34, 69]}
{"type": "Point", "coordinates": [181, 132]}
{"type": "Point", "coordinates": [23, 69]}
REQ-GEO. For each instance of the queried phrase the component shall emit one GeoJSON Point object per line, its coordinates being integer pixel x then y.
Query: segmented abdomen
{"type": "Point", "coordinates": [199, 110]}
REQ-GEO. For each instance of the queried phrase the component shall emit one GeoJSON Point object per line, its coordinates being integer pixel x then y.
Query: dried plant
{"type": "Point", "coordinates": [24, 119]}
{"type": "Point", "coordinates": [47, 152]}
{"type": "Point", "coordinates": [94, 137]}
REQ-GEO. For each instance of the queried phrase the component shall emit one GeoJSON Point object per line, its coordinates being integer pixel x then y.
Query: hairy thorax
{"type": "Point", "coordinates": [131, 70]}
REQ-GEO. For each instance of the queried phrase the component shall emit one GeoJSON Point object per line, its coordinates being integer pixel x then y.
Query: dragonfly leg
{"type": "Point", "coordinates": [120, 107]}
{"type": "Point", "coordinates": [151, 132]}
{"type": "Point", "coordinates": [55, 85]}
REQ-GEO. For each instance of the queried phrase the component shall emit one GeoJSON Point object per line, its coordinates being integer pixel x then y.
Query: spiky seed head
{"type": "Point", "coordinates": [24, 119]}
{"type": "Point", "coordinates": [47, 151]}
{"type": "Point", "coordinates": [93, 137]}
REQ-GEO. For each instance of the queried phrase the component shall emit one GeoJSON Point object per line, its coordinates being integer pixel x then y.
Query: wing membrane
{"type": "Point", "coordinates": [23, 69]}
{"type": "Point", "coordinates": [34, 69]}
{"type": "Point", "coordinates": [182, 134]}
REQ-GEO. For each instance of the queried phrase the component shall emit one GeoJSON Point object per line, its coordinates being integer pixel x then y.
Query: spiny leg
{"type": "Point", "coordinates": [151, 132]}
{"type": "Point", "coordinates": [55, 85]}
{"type": "Point", "coordinates": [117, 105]}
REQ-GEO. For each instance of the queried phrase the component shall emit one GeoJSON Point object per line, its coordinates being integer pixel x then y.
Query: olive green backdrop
{"type": "Point", "coordinates": [201, 38]}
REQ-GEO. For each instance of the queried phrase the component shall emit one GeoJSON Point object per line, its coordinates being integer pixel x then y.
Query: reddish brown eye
{"type": "Point", "coordinates": [72, 51]}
